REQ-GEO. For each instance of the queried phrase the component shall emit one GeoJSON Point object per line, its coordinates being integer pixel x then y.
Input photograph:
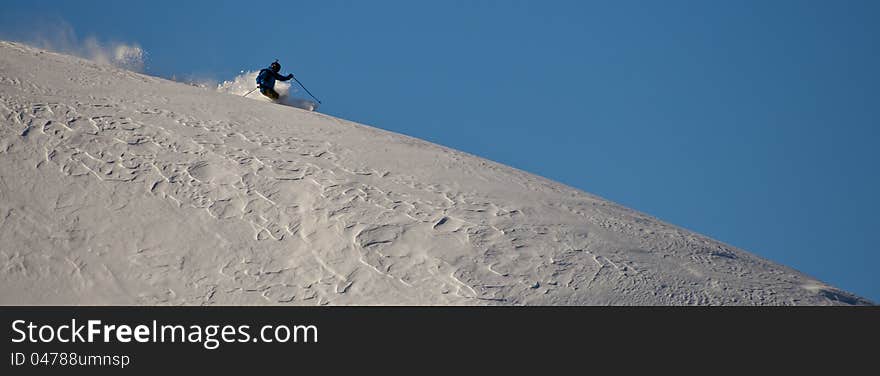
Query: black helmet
{"type": "Point", "coordinates": [275, 66]}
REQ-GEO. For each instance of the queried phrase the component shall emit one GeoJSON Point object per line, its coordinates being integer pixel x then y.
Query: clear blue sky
{"type": "Point", "coordinates": [753, 122]}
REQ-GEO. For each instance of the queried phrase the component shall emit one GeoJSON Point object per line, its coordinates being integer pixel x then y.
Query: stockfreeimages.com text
{"type": "Point", "coordinates": [210, 336]}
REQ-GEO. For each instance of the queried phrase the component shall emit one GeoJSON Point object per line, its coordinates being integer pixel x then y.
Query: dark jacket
{"type": "Point", "coordinates": [267, 78]}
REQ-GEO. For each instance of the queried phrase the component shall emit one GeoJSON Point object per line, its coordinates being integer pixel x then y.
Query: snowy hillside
{"type": "Point", "coordinates": [120, 188]}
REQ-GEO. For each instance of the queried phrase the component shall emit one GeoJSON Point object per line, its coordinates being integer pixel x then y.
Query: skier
{"type": "Point", "coordinates": [266, 80]}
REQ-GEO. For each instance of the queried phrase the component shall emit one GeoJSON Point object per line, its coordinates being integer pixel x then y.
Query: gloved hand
{"type": "Point", "coordinates": [289, 76]}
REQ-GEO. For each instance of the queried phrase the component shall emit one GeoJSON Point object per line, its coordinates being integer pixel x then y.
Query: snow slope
{"type": "Point", "coordinates": [120, 188]}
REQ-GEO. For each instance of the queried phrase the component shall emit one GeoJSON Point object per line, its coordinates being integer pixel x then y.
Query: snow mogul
{"type": "Point", "coordinates": [266, 80]}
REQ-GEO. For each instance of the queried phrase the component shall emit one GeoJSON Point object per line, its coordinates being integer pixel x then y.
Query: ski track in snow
{"type": "Point", "coordinates": [120, 188]}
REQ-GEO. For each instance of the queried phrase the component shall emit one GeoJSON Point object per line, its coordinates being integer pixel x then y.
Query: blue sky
{"type": "Point", "coordinates": [753, 122]}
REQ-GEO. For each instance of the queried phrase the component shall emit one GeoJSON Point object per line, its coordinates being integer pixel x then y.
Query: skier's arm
{"type": "Point", "coordinates": [261, 77]}
{"type": "Point", "coordinates": [283, 78]}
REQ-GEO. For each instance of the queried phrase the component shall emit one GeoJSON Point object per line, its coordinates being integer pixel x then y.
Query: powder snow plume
{"type": "Point", "coordinates": [125, 56]}
{"type": "Point", "coordinates": [59, 36]}
{"type": "Point", "coordinates": [247, 81]}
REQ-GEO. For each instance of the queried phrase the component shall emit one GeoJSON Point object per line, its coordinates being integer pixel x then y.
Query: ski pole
{"type": "Point", "coordinates": [249, 93]}
{"type": "Point", "coordinates": [307, 90]}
